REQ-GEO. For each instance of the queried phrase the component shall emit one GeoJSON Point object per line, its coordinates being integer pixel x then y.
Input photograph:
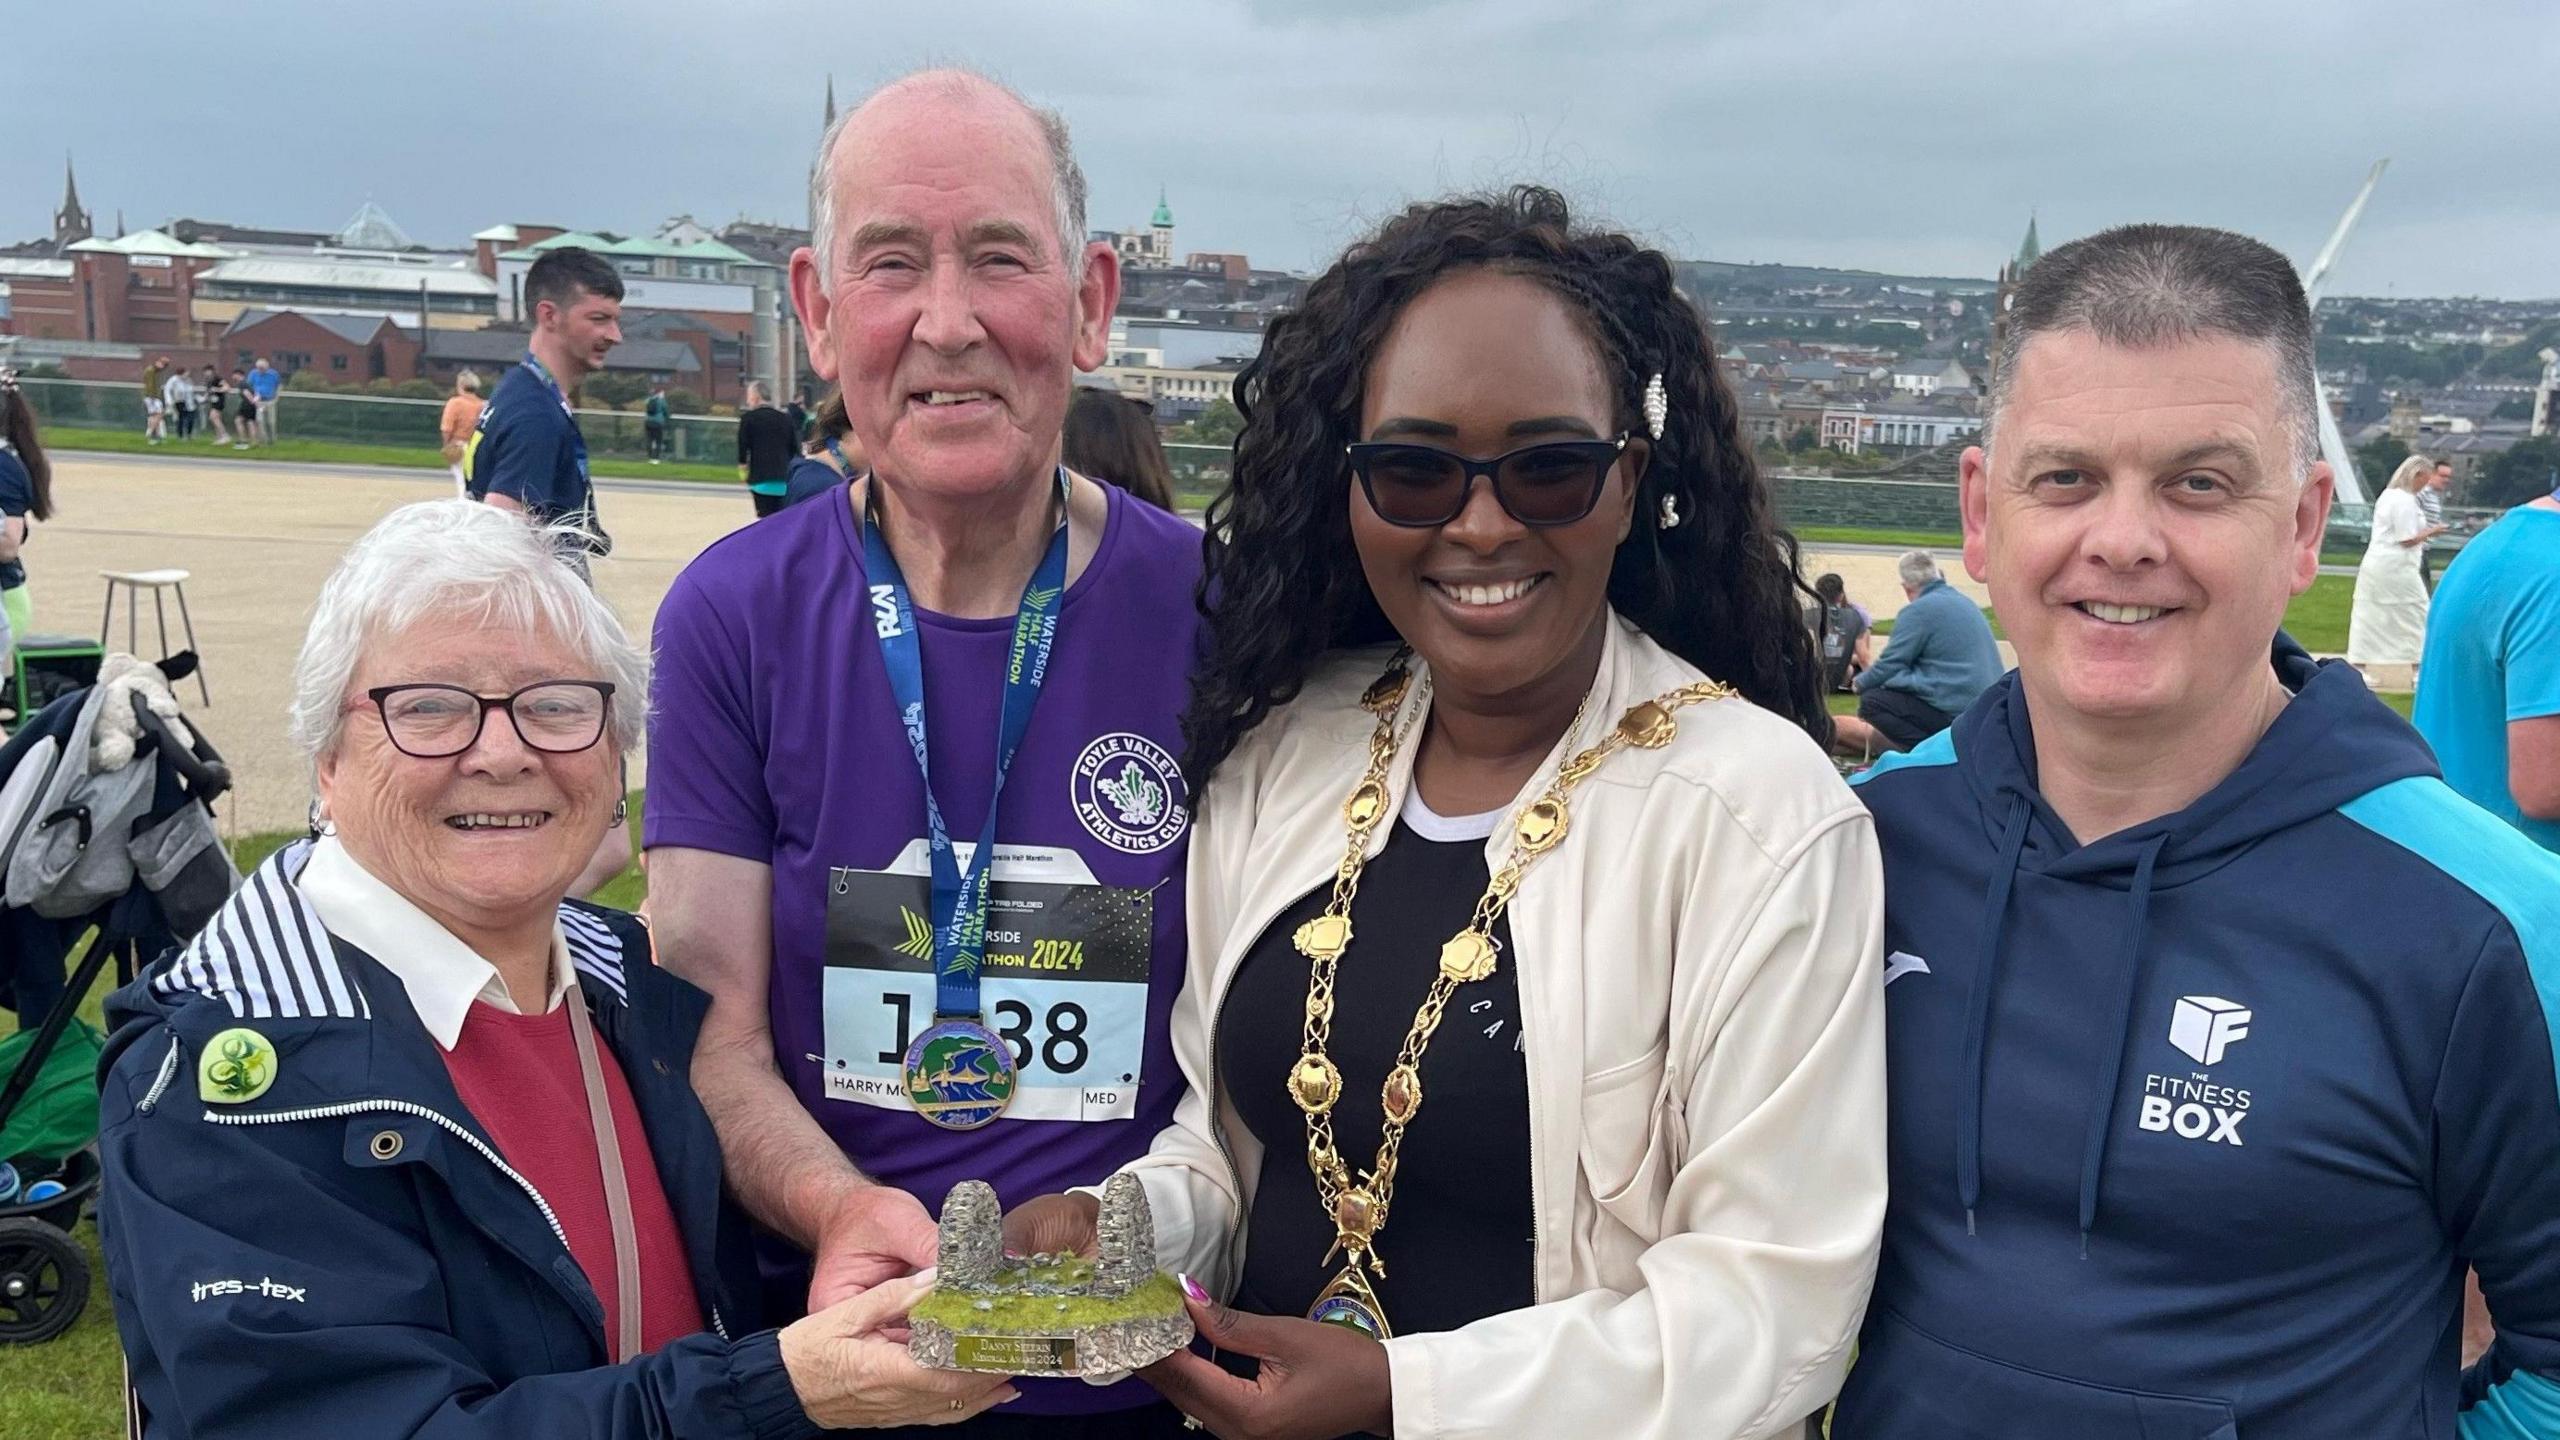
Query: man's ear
{"type": "Point", "coordinates": [1973, 500]}
{"type": "Point", "coordinates": [816, 311]}
{"type": "Point", "coordinates": [1097, 295]}
{"type": "Point", "coordinates": [2311, 524]}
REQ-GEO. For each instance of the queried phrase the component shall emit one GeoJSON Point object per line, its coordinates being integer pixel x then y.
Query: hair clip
{"type": "Point", "coordinates": [1657, 407]}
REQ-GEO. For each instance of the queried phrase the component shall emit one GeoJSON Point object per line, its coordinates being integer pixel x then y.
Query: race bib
{"type": "Point", "coordinates": [1064, 985]}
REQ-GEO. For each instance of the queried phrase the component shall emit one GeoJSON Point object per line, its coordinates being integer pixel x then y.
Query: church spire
{"type": "Point", "coordinates": [831, 100]}
{"type": "Point", "coordinates": [71, 223]}
{"type": "Point", "coordinates": [2029, 250]}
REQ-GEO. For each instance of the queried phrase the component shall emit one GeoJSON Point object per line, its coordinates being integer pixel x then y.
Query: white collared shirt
{"type": "Point", "coordinates": [443, 975]}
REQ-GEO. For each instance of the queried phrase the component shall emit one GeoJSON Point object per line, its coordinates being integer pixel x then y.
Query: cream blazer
{"type": "Point", "coordinates": [1702, 1013]}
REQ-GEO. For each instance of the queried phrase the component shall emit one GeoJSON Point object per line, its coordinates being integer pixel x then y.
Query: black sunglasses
{"type": "Point", "coordinates": [1555, 483]}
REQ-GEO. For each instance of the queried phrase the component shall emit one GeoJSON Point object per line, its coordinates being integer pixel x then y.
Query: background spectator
{"type": "Point", "coordinates": [26, 496]}
{"type": "Point", "coordinates": [2388, 626]}
{"type": "Point", "coordinates": [833, 457]}
{"type": "Point", "coordinates": [244, 399]}
{"type": "Point", "coordinates": [768, 441]}
{"type": "Point", "coordinates": [266, 384]}
{"type": "Point", "coordinates": [461, 417]}
{"type": "Point", "coordinates": [655, 415]}
{"type": "Point", "coordinates": [1941, 657]}
{"type": "Point", "coordinates": [214, 395]}
{"type": "Point", "coordinates": [1110, 438]}
{"type": "Point", "coordinates": [1841, 632]}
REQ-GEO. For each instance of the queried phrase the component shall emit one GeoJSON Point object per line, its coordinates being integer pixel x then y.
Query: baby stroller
{"type": "Point", "coordinates": [106, 831]}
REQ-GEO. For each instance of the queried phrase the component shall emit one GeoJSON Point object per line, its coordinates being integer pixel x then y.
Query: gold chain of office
{"type": "Point", "coordinates": [1359, 1207]}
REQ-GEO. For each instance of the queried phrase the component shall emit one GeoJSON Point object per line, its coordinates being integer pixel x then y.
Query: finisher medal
{"type": "Point", "coordinates": [959, 1074]}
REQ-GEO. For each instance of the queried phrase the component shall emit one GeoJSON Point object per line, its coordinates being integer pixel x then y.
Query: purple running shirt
{"type": "Point", "coordinates": [773, 737]}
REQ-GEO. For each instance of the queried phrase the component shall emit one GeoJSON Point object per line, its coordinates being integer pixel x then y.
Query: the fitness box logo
{"type": "Point", "coordinates": [2203, 1028]}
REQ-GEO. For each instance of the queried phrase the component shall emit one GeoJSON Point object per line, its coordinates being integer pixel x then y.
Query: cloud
{"type": "Point", "coordinates": [1854, 132]}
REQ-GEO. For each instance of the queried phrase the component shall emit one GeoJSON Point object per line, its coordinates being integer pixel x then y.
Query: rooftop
{"type": "Point", "coordinates": [506, 347]}
{"type": "Point", "coordinates": [150, 242]}
{"type": "Point", "coordinates": [325, 274]}
{"type": "Point", "coordinates": [354, 329]}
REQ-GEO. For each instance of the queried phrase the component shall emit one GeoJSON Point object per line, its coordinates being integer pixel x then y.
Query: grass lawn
{"type": "Point", "coordinates": [341, 452]}
{"type": "Point", "coordinates": [73, 1387]}
{"type": "Point", "coordinates": [2317, 617]}
{"type": "Point", "coordinates": [2399, 700]}
{"type": "Point", "coordinates": [1949, 540]}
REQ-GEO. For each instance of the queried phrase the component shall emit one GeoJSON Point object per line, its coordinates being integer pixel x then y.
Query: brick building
{"type": "Point", "coordinates": [342, 349]}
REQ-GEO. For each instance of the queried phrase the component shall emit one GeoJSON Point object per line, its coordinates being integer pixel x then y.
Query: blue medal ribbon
{"type": "Point", "coordinates": [960, 896]}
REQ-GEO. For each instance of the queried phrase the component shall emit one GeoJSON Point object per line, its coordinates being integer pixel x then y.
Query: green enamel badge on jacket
{"type": "Point", "coordinates": [238, 1066]}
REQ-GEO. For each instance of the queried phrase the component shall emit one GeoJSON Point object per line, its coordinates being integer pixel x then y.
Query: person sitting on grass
{"type": "Point", "coordinates": [1942, 655]}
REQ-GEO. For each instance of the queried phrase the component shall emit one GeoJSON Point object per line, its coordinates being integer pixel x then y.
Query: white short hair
{"type": "Point", "coordinates": [1066, 177]}
{"type": "Point", "coordinates": [464, 564]}
{"type": "Point", "coordinates": [1918, 568]}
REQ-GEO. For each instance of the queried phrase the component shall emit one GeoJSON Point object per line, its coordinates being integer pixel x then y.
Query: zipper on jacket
{"type": "Point", "coordinates": [403, 1107]}
{"type": "Point", "coordinates": [168, 1072]}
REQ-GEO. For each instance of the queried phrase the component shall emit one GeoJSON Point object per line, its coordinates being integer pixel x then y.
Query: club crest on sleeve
{"type": "Point", "coordinates": [1129, 794]}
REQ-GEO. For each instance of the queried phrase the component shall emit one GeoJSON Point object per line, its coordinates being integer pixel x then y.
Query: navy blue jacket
{"type": "Point", "coordinates": [348, 1254]}
{"type": "Point", "coordinates": [2195, 1127]}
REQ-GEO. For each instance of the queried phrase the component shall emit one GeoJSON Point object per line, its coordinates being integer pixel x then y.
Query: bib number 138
{"type": "Point", "coordinates": [1053, 1039]}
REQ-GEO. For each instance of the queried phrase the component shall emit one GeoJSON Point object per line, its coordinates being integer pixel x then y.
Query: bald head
{"type": "Point", "coordinates": [974, 113]}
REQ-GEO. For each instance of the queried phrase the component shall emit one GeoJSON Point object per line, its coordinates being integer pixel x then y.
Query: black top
{"type": "Point", "coordinates": [766, 443]}
{"type": "Point", "coordinates": [1458, 1244]}
{"type": "Point", "coordinates": [1838, 628]}
{"type": "Point", "coordinates": [17, 497]}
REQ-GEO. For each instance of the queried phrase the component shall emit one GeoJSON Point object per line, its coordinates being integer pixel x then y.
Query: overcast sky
{"type": "Point", "coordinates": [1894, 135]}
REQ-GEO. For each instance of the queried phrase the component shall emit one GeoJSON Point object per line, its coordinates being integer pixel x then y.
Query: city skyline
{"type": "Point", "coordinates": [1871, 137]}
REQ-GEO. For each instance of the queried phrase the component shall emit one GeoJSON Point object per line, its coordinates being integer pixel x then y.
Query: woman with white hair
{"type": "Point", "coordinates": [402, 1143]}
{"type": "Point", "coordinates": [2388, 626]}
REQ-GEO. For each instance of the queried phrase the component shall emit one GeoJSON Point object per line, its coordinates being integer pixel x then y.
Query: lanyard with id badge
{"type": "Point", "coordinates": [958, 1072]}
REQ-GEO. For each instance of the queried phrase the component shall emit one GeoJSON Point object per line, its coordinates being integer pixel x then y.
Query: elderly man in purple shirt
{"type": "Point", "coordinates": [914, 820]}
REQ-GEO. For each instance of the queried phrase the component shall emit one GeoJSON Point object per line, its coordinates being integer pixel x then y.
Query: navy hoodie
{"type": "Point", "coordinates": [2194, 1128]}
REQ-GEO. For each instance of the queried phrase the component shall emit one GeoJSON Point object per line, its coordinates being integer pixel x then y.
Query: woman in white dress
{"type": "Point", "coordinates": [2388, 626]}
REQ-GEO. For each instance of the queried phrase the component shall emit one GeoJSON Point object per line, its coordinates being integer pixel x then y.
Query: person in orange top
{"type": "Point", "coordinates": [461, 417]}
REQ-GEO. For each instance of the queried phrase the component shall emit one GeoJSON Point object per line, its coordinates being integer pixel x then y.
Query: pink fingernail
{"type": "Point", "coordinates": [1192, 1288]}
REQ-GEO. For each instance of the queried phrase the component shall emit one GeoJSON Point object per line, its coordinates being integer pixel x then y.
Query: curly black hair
{"type": "Point", "coordinates": [1282, 584]}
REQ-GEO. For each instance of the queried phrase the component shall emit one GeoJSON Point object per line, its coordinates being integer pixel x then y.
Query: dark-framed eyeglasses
{"type": "Point", "coordinates": [437, 722]}
{"type": "Point", "coordinates": [1556, 482]}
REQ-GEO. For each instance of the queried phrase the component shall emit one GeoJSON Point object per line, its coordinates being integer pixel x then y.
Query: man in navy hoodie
{"type": "Point", "coordinates": [2221, 1031]}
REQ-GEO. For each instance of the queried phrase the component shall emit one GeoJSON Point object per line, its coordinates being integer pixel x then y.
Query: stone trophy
{"type": "Point", "coordinates": [1048, 1314]}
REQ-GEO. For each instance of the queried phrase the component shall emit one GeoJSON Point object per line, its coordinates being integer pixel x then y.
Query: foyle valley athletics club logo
{"type": "Point", "coordinates": [1129, 793]}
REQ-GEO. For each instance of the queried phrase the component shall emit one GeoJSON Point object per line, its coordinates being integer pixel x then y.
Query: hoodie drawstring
{"type": "Point", "coordinates": [2004, 874]}
{"type": "Point", "coordinates": [2093, 1154]}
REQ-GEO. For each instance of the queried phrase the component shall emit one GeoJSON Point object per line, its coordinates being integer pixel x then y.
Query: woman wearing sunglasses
{"type": "Point", "coordinates": [403, 1144]}
{"type": "Point", "coordinates": [1533, 1027]}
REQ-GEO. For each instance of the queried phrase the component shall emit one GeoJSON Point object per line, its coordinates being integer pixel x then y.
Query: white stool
{"type": "Point", "coordinates": [154, 581]}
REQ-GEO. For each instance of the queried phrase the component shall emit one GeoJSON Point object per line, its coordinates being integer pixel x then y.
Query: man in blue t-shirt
{"type": "Point", "coordinates": [266, 383]}
{"type": "Point", "coordinates": [527, 454]}
{"type": "Point", "coordinates": [2489, 684]}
